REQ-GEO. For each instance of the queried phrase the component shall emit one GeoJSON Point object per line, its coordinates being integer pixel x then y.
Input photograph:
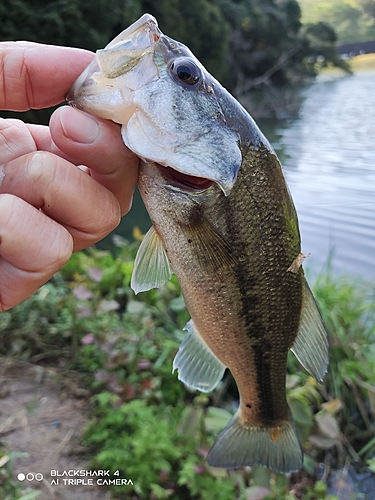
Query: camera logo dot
{"type": "Point", "coordinates": [30, 476]}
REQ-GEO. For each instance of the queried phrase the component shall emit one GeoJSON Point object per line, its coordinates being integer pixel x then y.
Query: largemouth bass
{"type": "Point", "coordinates": [223, 221]}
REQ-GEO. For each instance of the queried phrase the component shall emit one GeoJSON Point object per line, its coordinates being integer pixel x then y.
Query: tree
{"type": "Point", "coordinates": [243, 43]}
{"type": "Point", "coordinates": [352, 20]}
{"type": "Point", "coordinates": [199, 24]}
{"type": "Point", "coordinates": [269, 44]}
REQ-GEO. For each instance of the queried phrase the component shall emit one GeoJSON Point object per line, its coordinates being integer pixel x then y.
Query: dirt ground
{"type": "Point", "coordinates": [44, 420]}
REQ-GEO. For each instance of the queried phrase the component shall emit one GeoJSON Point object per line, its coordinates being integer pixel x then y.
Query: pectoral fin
{"type": "Point", "coordinates": [197, 365]}
{"type": "Point", "coordinates": [311, 344]}
{"type": "Point", "coordinates": [151, 266]}
{"type": "Point", "coordinates": [210, 249]}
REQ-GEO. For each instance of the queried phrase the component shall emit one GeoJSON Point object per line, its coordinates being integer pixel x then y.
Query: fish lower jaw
{"type": "Point", "coordinates": [182, 181]}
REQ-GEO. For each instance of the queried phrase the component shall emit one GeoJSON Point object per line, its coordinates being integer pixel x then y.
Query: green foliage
{"type": "Point", "coordinates": [89, 24]}
{"type": "Point", "coordinates": [349, 314]}
{"type": "Point", "coordinates": [243, 43]}
{"type": "Point", "coordinates": [10, 489]}
{"type": "Point", "coordinates": [269, 45]}
{"type": "Point", "coordinates": [146, 424]}
{"type": "Point", "coordinates": [352, 20]}
{"type": "Point", "coordinates": [200, 24]}
{"type": "Point", "coordinates": [145, 442]}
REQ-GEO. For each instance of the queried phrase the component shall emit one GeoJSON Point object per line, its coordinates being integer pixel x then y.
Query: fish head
{"type": "Point", "coordinates": [172, 111]}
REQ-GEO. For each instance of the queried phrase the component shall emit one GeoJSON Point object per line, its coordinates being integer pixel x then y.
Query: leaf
{"type": "Point", "coordinates": [5, 320]}
{"type": "Point", "coordinates": [256, 492]}
{"type": "Point", "coordinates": [137, 234]}
{"type": "Point", "coordinates": [89, 338]}
{"type": "Point", "coordinates": [333, 406]}
{"type": "Point", "coordinates": [119, 241]}
{"type": "Point", "coordinates": [322, 442]}
{"type": "Point", "coordinates": [30, 495]}
{"type": "Point", "coordinates": [95, 273]}
{"type": "Point", "coordinates": [302, 413]}
{"type": "Point", "coordinates": [261, 476]}
{"type": "Point", "coordinates": [292, 381]}
{"type": "Point", "coordinates": [108, 305]}
{"type": "Point", "coordinates": [371, 397]}
{"type": "Point", "coordinates": [135, 307]}
{"type": "Point", "coordinates": [190, 421]}
{"type": "Point", "coordinates": [82, 293]}
{"type": "Point", "coordinates": [217, 472]}
{"type": "Point", "coordinates": [371, 464]}
{"type": "Point", "coordinates": [177, 304]}
{"type": "Point", "coordinates": [216, 419]}
{"type": "Point", "coordinates": [328, 425]}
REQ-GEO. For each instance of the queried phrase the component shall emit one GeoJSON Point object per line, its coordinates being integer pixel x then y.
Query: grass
{"type": "Point", "coordinates": [87, 320]}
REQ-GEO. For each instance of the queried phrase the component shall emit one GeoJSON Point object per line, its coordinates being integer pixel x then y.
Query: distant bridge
{"type": "Point", "coordinates": [357, 48]}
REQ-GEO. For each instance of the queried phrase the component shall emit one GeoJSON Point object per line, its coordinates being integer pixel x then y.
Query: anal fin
{"type": "Point", "coordinates": [151, 265]}
{"type": "Point", "coordinates": [311, 344]}
{"type": "Point", "coordinates": [197, 366]}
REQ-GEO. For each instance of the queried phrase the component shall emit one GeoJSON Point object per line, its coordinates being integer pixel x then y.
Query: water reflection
{"type": "Point", "coordinates": [328, 155]}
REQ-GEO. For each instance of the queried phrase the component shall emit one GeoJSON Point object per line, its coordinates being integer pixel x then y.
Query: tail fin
{"type": "Point", "coordinates": [239, 445]}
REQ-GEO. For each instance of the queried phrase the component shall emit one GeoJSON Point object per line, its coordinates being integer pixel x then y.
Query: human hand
{"type": "Point", "coordinates": [48, 206]}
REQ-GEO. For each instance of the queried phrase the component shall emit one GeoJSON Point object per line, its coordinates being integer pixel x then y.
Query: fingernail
{"type": "Point", "coordinates": [2, 174]}
{"type": "Point", "coordinates": [78, 126]}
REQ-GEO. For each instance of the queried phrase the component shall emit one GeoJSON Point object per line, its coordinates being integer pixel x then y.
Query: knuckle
{"type": "Point", "coordinates": [7, 208]}
{"type": "Point", "coordinates": [15, 78]}
{"type": "Point", "coordinates": [56, 249]}
{"type": "Point", "coordinates": [110, 219]}
{"type": "Point", "coordinates": [14, 139]}
{"type": "Point", "coordinates": [41, 167]}
{"type": "Point", "coordinates": [64, 251]}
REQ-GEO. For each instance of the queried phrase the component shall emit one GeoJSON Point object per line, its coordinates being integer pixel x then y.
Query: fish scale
{"type": "Point", "coordinates": [223, 221]}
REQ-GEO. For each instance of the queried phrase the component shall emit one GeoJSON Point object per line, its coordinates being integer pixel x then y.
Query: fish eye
{"type": "Point", "coordinates": [185, 72]}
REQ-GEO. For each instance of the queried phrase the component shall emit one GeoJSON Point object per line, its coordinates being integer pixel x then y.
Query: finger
{"type": "Point", "coordinates": [97, 144]}
{"type": "Point", "coordinates": [18, 138]}
{"type": "Point", "coordinates": [63, 192]}
{"type": "Point", "coordinates": [112, 164]}
{"type": "Point", "coordinates": [32, 248]}
{"type": "Point", "coordinates": [38, 76]}
{"type": "Point", "coordinates": [15, 139]}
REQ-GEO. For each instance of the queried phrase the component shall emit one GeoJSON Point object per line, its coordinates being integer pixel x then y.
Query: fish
{"type": "Point", "coordinates": [223, 221]}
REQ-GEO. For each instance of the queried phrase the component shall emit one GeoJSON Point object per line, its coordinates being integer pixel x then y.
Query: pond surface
{"type": "Point", "coordinates": [328, 154]}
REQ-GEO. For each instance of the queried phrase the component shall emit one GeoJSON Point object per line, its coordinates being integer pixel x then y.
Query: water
{"type": "Point", "coordinates": [328, 155]}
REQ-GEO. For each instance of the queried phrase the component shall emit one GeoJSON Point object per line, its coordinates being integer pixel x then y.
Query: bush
{"type": "Point", "coordinates": [153, 430]}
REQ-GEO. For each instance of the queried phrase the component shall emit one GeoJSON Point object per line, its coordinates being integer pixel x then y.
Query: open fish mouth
{"type": "Point", "coordinates": [185, 182]}
{"type": "Point", "coordinates": [97, 89]}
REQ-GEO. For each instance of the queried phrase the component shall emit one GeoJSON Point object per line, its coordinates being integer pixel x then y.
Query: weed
{"type": "Point", "coordinates": [146, 424]}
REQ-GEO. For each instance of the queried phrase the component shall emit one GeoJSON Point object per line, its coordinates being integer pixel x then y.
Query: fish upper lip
{"type": "Point", "coordinates": [136, 35]}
